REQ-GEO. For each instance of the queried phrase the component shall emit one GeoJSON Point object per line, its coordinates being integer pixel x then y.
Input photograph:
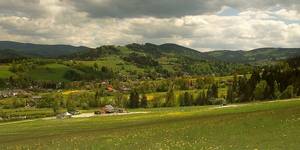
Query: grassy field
{"type": "Point", "coordinates": [4, 71]}
{"type": "Point", "coordinates": [115, 63]}
{"type": "Point", "coordinates": [268, 125]}
{"type": "Point", "coordinates": [51, 72]}
{"type": "Point", "coordinates": [30, 113]}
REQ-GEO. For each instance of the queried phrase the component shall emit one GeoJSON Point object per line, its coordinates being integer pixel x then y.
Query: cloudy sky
{"type": "Point", "coordinates": [200, 24]}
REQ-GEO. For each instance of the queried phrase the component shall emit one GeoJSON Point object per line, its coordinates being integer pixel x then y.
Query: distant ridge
{"type": "Point", "coordinates": [255, 55]}
{"type": "Point", "coordinates": [10, 49]}
{"type": "Point", "coordinates": [40, 50]}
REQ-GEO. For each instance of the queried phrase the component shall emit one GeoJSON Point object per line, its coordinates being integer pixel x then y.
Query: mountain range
{"type": "Point", "coordinates": [39, 50]}
{"type": "Point", "coordinates": [10, 49]}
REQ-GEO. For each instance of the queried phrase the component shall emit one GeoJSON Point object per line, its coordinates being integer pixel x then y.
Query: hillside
{"type": "Point", "coordinates": [13, 50]}
{"type": "Point", "coordinates": [134, 61]}
{"type": "Point", "coordinates": [256, 55]}
{"type": "Point", "coordinates": [7, 55]}
{"type": "Point", "coordinates": [168, 59]}
{"type": "Point", "coordinates": [170, 48]}
{"type": "Point", "coordinates": [38, 50]}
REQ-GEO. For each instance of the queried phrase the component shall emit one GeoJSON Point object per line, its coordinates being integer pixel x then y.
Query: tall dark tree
{"type": "Point", "coordinates": [70, 105]}
{"type": "Point", "coordinates": [188, 99]}
{"type": "Point", "coordinates": [244, 92]}
{"type": "Point", "coordinates": [134, 99]}
{"type": "Point", "coordinates": [288, 92]}
{"type": "Point", "coordinates": [200, 99]}
{"type": "Point", "coordinates": [144, 101]}
{"type": "Point", "coordinates": [251, 85]}
{"type": "Point", "coordinates": [2, 83]}
{"type": "Point", "coordinates": [259, 91]}
{"type": "Point", "coordinates": [170, 98]}
{"type": "Point", "coordinates": [230, 94]}
{"type": "Point", "coordinates": [213, 92]}
{"type": "Point", "coordinates": [277, 92]}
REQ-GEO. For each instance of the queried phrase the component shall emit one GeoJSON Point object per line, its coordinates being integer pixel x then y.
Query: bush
{"type": "Point", "coordinates": [84, 106]}
{"type": "Point", "coordinates": [260, 90]}
{"type": "Point", "coordinates": [157, 102]}
{"type": "Point", "coordinates": [17, 103]}
{"type": "Point", "coordinates": [170, 98]}
{"type": "Point", "coordinates": [217, 101]}
{"type": "Point", "coordinates": [72, 75]}
{"type": "Point", "coordinates": [288, 92]}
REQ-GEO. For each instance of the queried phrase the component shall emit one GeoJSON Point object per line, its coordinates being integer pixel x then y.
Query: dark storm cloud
{"type": "Point", "coordinates": [28, 8]}
{"type": "Point", "coordinates": [194, 23]}
{"type": "Point", "coordinates": [140, 8]}
{"type": "Point", "coordinates": [168, 8]}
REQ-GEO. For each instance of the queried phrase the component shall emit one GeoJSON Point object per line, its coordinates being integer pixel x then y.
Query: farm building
{"type": "Point", "coordinates": [65, 115]}
{"type": "Point", "coordinates": [110, 88]}
{"type": "Point", "coordinates": [110, 109]}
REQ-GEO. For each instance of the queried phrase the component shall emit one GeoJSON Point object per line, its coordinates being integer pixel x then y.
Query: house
{"type": "Point", "coordinates": [74, 112]}
{"type": "Point", "coordinates": [103, 83]}
{"type": "Point", "coordinates": [108, 109]}
{"type": "Point", "coordinates": [12, 93]}
{"type": "Point", "coordinates": [65, 115]}
{"type": "Point", "coordinates": [125, 89]}
{"type": "Point", "coordinates": [110, 88]}
{"type": "Point", "coordinates": [36, 97]}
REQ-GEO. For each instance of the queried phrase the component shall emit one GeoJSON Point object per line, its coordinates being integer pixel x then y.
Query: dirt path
{"type": "Point", "coordinates": [86, 115]}
{"type": "Point", "coordinates": [83, 115]}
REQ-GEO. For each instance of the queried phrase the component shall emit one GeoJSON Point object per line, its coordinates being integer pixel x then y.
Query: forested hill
{"type": "Point", "coordinates": [164, 59]}
{"type": "Point", "coordinates": [132, 61]}
{"type": "Point", "coordinates": [256, 55]}
{"type": "Point", "coordinates": [11, 50]}
{"type": "Point", "coordinates": [146, 49]}
{"type": "Point", "coordinates": [38, 50]}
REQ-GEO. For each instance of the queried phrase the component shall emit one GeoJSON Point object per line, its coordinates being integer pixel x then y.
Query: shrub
{"type": "Point", "coordinates": [288, 92]}
{"type": "Point", "coordinates": [217, 101]}
{"type": "Point", "coordinates": [157, 102]}
{"type": "Point", "coordinates": [260, 90]}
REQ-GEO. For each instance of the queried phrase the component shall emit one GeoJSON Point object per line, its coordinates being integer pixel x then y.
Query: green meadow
{"type": "Point", "coordinates": [265, 125]}
{"type": "Point", "coordinates": [4, 72]}
{"type": "Point", "coordinates": [53, 72]}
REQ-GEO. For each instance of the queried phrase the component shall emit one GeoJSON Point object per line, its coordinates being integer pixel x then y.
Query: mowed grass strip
{"type": "Point", "coordinates": [268, 125]}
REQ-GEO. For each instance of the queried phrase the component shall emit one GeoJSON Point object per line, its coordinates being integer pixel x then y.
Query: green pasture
{"type": "Point", "coordinates": [4, 71]}
{"type": "Point", "coordinates": [264, 125]}
{"type": "Point", "coordinates": [52, 72]}
{"type": "Point", "coordinates": [115, 63]}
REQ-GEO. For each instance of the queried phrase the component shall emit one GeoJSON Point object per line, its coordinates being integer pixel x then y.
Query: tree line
{"type": "Point", "coordinates": [270, 83]}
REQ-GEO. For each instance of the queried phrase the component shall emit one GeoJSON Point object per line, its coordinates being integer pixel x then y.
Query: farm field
{"type": "Point", "coordinates": [53, 72]}
{"type": "Point", "coordinates": [4, 71]}
{"type": "Point", "coordinates": [264, 125]}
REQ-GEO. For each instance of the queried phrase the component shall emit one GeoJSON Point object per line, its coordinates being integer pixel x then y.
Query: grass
{"type": "Point", "coordinates": [30, 113]}
{"type": "Point", "coordinates": [52, 72]}
{"type": "Point", "coordinates": [115, 63]}
{"type": "Point", "coordinates": [268, 125]}
{"type": "Point", "coordinates": [4, 72]}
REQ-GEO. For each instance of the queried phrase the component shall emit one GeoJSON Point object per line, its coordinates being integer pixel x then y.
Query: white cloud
{"type": "Point", "coordinates": [288, 14]}
{"type": "Point", "coordinates": [58, 22]}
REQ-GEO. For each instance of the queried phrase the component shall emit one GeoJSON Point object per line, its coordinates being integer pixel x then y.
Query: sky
{"type": "Point", "coordinates": [200, 24]}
